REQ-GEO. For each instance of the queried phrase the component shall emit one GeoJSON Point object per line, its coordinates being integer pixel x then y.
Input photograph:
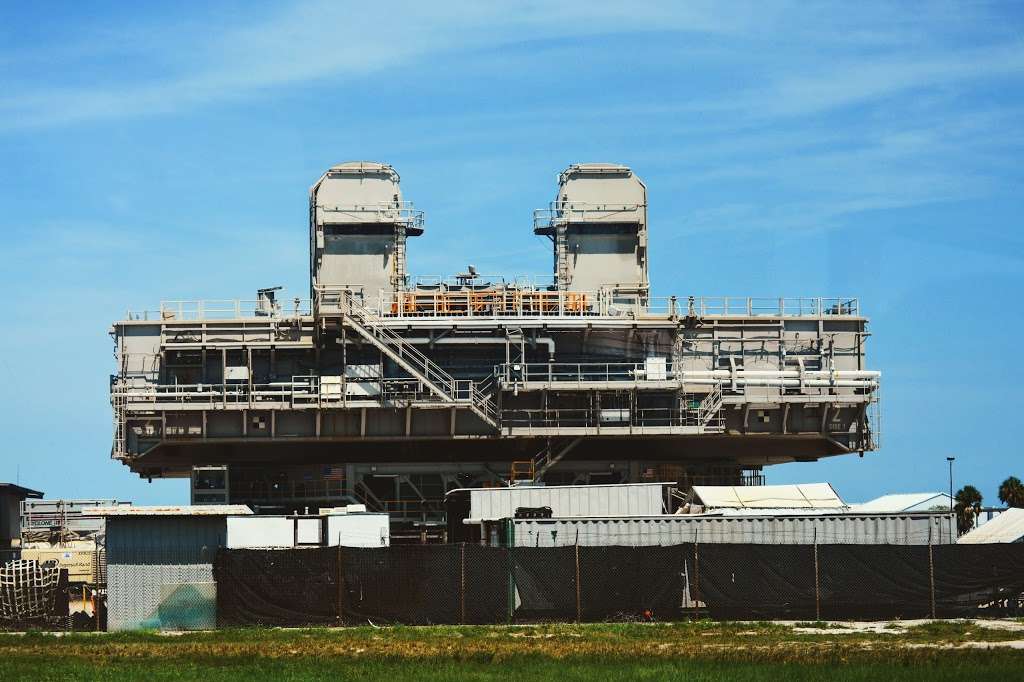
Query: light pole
{"type": "Point", "coordinates": [950, 460]}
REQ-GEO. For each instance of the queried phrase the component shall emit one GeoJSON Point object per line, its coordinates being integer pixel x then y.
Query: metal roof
{"type": "Point", "coordinates": [766, 512]}
{"type": "Point", "coordinates": [906, 502]}
{"type": "Point", "coordinates": [14, 489]}
{"type": "Point", "coordinates": [1007, 527]}
{"type": "Point", "coordinates": [800, 496]}
{"type": "Point", "coordinates": [176, 510]}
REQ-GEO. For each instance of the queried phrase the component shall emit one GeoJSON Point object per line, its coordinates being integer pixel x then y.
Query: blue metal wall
{"type": "Point", "coordinates": [160, 571]}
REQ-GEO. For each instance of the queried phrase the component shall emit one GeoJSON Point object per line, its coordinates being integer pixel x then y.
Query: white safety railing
{"type": "Point", "coordinates": [513, 302]}
{"type": "Point", "coordinates": [300, 391]}
{"type": "Point", "coordinates": [567, 373]}
{"type": "Point", "coordinates": [223, 309]}
{"type": "Point", "coordinates": [564, 212]}
{"type": "Point", "coordinates": [526, 303]}
{"type": "Point", "coordinates": [610, 417]}
{"type": "Point", "coordinates": [393, 212]}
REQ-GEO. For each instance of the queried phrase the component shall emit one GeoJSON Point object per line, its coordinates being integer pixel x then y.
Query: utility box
{"type": "Point", "coordinates": [656, 369]}
{"type": "Point", "coordinates": [78, 561]}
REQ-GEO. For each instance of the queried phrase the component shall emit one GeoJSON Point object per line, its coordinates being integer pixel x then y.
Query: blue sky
{"type": "Point", "coordinates": [853, 149]}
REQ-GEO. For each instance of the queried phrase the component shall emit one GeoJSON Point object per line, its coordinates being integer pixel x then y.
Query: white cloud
{"type": "Point", "coordinates": [318, 40]}
{"type": "Point", "coordinates": [186, 65]}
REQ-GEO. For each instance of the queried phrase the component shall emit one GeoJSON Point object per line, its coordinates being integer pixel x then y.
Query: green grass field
{"type": "Point", "coordinates": [691, 651]}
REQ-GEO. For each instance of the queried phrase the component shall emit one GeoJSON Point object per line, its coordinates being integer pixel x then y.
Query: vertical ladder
{"type": "Point", "coordinates": [119, 401]}
{"type": "Point", "coordinates": [562, 254]}
{"type": "Point", "coordinates": [398, 277]}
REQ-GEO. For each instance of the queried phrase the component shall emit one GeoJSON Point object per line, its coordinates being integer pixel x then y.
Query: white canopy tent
{"type": "Point", "coordinates": [1007, 527]}
{"type": "Point", "coordinates": [799, 496]}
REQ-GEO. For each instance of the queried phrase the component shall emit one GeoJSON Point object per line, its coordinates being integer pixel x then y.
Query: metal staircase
{"type": "Point", "coordinates": [363, 495]}
{"type": "Point", "coordinates": [534, 469]}
{"type": "Point", "coordinates": [709, 412]}
{"type": "Point", "coordinates": [367, 324]}
{"type": "Point", "coordinates": [549, 456]}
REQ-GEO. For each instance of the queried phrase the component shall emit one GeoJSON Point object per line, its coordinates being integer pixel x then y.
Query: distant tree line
{"type": "Point", "coordinates": [967, 501]}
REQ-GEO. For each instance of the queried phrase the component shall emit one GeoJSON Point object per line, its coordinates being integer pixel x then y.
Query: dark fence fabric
{"type": "Point", "coordinates": [755, 581]}
{"type": "Point", "coordinates": [631, 583]}
{"type": "Point", "coordinates": [873, 581]}
{"type": "Point", "coordinates": [969, 575]}
{"type": "Point", "coordinates": [277, 587]}
{"type": "Point", "coordinates": [437, 584]}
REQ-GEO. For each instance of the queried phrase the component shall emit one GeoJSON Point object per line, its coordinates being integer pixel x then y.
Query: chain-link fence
{"type": "Point", "coordinates": [462, 583]}
{"type": "Point", "coordinates": [166, 588]}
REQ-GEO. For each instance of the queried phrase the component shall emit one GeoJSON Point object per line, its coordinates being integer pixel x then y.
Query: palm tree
{"type": "Point", "coordinates": [1011, 492]}
{"type": "Point", "coordinates": [968, 506]}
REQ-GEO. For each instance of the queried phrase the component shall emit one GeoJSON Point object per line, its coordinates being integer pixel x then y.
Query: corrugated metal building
{"type": "Point", "coordinates": [823, 528]}
{"type": "Point", "coordinates": [160, 565]}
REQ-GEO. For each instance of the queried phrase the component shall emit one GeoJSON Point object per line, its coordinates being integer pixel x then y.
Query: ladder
{"type": "Point", "coordinates": [368, 325]}
{"type": "Point", "coordinates": [398, 257]}
{"type": "Point", "coordinates": [562, 254]}
{"type": "Point", "coordinates": [119, 401]}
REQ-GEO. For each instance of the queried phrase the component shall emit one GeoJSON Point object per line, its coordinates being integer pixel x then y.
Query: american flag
{"type": "Point", "coordinates": [335, 472]}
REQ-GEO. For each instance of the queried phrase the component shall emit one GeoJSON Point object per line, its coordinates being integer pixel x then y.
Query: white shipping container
{"type": "Point", "coordinates": [281, 532]}
{"type": "Point", "coordinates": [358, 530]}
{"type": "Point", "coordinates": [865, 529]}
{"type": "Point", "coordinates": [630, 499]}
{"type": "Point", "coordinates": [248, 532]}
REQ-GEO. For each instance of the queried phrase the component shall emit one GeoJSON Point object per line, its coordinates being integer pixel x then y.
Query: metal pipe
{"type": "Point", "coordinates": [811, 383]}
{"type": "Point", "coordinates": [475, 341]}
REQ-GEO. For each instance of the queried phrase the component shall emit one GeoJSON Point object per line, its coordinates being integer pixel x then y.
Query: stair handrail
{"type": "Point", "coordinates": [481, 403]}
